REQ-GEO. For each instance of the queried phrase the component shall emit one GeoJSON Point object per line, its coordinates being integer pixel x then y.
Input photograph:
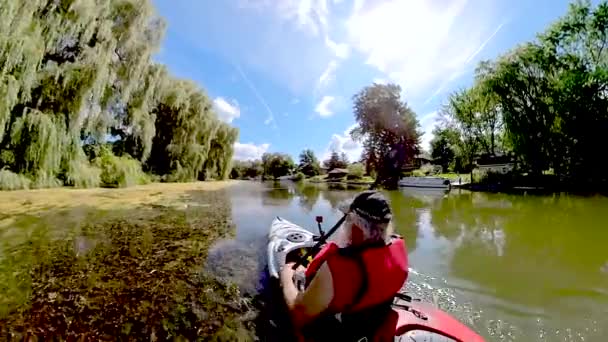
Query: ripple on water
{"type": "Point", "coordinates": [453, 300]}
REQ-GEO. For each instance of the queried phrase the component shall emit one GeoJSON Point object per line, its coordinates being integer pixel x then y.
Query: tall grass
{"type": "Point", "coordinates": [81, 174]}
{"type": "Point", "coordinates": [119, 172]}
{"type": "Point", "coordinates": [13, 181]}
{"type": "Point", "coordinates": [45, 181]}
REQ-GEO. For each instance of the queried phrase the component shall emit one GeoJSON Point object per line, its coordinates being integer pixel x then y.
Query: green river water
{"type": "Point", "coordinates": [513, 267]}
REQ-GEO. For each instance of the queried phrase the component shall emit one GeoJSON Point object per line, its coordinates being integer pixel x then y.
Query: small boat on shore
{"type": "Point", "coordinates": [425, 182]}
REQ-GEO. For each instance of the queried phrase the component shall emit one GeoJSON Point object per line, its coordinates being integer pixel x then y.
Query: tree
{"type": "Point", "coordinates": [276, 165]}
{"type": "Point", "coordinates": [458, 117]}
{"type": "Point", "coordinates": [73, 73]}
{"type": "Point", "coordinates": [546, 100]}
{"type": "Point", "coordinates": [344, 159]}
{"type": "Point", "coordinates": [356, 170]}
{"type": "Point", "coordinates": [309, 164]}
{"type": "Point", "coordinates": [246, 169]}
{"type": "Point", "coordinates": [388, 129]}
{"type": "Point", "coordinates": [442, 148]}
{"type": "Point", "coordinates": [336, 161]}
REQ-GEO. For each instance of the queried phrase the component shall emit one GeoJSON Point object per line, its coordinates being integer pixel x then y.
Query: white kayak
{"type": "Point", "coordinates": [415, 320]}
{"type": "Point", "coordinates": [283, 238]}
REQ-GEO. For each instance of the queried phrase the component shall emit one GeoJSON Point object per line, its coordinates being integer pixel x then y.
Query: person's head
{"type": "Point", "coordinates": [368, 220]}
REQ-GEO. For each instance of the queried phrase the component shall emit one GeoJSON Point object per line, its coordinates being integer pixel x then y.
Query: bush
{"type": "Point", "coordinates": [298, 177]}
{"type": "Point", "coordinates": [119, 172]}
{"type": "Point", "coordinates": [81, 174]}
{"type": "Point", "coordinates": [45, 181]}
{"type": "Point", "coordinates": [418, 173]}
{"type": "Point", "coordinates": [13, 181]}
{"type": "Point", "coordinates": [355, 171]}
{"type": "Point", "coordinates": [427, 169]}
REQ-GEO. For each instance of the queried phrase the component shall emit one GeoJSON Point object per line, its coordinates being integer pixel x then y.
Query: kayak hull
{"type": "Point", "coordinates": [414, 320]}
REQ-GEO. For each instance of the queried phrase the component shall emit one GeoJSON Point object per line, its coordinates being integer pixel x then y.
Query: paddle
{"type": "Point", "coordinates": [319, 243]}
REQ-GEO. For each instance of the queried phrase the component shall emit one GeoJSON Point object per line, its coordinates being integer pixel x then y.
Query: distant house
{"type": "Point", "coordinates": [422, 159]}
{"type": "Point", "coordinates": [337, 173]}
{"type": "Point", "coordinates": [500, 163]}
{"type": "Point", "coordinates": [418, 161]}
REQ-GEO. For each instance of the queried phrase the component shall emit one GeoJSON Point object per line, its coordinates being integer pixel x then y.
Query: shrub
{"type": "Point", "coordinates": [119, 172]}
{"type": "Point", "coordinates": [81, 174]}
{"type": "Point", "coordinates": [427, 169]}
{"type": "Point", "coordinates": [418, 173]}
{"type": "Point", "coordinates": [298, 177]}
{"type": "Point", "coordinates": [45, 180]}
{"type": "Point", "coordinates": [355, 171]}
{"type": "Point", "coordinates": [13, 181]}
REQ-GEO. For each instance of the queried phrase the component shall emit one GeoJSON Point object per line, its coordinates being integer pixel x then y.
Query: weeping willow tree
{"type": "Point", "coordinates": [219, 161]}
{"type": "Point", "coordinates": [185, 130]}
{"type": "Point", "coordinates": [74, 73]}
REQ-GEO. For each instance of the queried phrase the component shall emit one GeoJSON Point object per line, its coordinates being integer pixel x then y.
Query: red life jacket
{"type": "Point", "coordinates": [362, 277]}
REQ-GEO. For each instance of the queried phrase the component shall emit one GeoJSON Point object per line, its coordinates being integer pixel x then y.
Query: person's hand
{"type": "Point", "coordinates": [288, 270]}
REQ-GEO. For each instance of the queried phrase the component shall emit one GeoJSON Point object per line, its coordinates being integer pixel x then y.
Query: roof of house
{"type": "Point", "coordinates": [334, 171]}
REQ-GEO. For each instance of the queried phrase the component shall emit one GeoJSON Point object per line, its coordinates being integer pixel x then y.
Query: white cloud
{"type": "Point", "coordinates": [418, 43]}
{"type": "Point", "coordinates": [227, 110]}
{"type": "Point", "coordinates": [249, 151]}
{"type": "Point", "coordinates": [427, 124]}
{"type": "Point", "coordinates": [344, 143]}
{"type": "Point", "coordinates": [328, 75]}
{"type": "Point", "coordinates": [323, 106]}
{"type": "Point", "coordinates": [379, 80]}
{"type": "Point", "coordinates": [310, 15]}
{"type": "Point", "coordinates": [340, 50]}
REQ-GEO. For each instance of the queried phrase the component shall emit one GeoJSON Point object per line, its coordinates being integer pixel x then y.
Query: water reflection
{"type": "Point", "coordinates": [514, 267]}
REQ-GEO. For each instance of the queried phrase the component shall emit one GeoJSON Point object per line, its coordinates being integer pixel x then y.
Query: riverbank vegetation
{"type": "Point", "coordinates": [544, 103]}
{"type": "Point", "coordinates": [386, 127]}
{"type": "Point", "coordinates": [117, 264]}
{"type": "Point", "coordinates": [83, 104]}
{"type": "Point", "coordinates": [275, 166]}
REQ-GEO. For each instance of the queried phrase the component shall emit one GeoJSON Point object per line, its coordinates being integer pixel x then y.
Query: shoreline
{"type": "Point", "coordinates": [37, 200]}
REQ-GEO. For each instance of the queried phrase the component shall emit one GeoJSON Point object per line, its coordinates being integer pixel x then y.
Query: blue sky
{"type": "Point", "coordinates": [284, 71]}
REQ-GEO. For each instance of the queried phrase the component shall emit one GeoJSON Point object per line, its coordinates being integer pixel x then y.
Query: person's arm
{"type": "Point", "coordinates": [307, 305]}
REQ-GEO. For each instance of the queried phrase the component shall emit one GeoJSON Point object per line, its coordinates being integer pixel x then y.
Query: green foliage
{"type": "Point", "coordinates": [356, 170]}
{"type": "Point", "coordinates": [545, 101]}
{"type": "Point", "coordinates": [13, 181]}
{"type": "Point", "coordinates": [418, 173]}
{"type": "Point", "coordinates": [388, 129]}
{"type": "Point", "coordinates": [119, 172]}
{"type": "Point", "coordinates": [246, 169]}
{"type": "Point", "coordinates": [81, 174]}
{"type": "Point", "coordinates": [276, 165]}
{"type": "Point", "coordinates": [428, 170]}
{"type": "Point", "coordinates": [45, 181]}
{"type": "Point", "coordinates": [443, 148]}
{"type": "Point", "coordinates": [336, 161]}
{"type": "Point", "coordinates": [298, 177]}
{"type": "Point", "coordinates": [72, 72]}
{"type": "Point", "coordinates": [309, 164]}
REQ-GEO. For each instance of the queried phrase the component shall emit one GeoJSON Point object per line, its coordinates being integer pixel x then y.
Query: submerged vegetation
{"type": "Point", "coordinates": [130, 266]}
{"type": "Point", "coordinates": [83, 104]}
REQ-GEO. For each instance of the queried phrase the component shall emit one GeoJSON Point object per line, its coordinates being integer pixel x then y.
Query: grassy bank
{"type": "Point", "coordinates": [107, 264]}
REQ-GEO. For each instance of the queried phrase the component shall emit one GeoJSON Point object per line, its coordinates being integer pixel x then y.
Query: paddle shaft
{"type": "Point", "coordinates": [319, 243]}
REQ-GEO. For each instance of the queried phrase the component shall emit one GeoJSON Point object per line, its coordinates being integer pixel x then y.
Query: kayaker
{"type": "Point", "coordinates": [348, 283]}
